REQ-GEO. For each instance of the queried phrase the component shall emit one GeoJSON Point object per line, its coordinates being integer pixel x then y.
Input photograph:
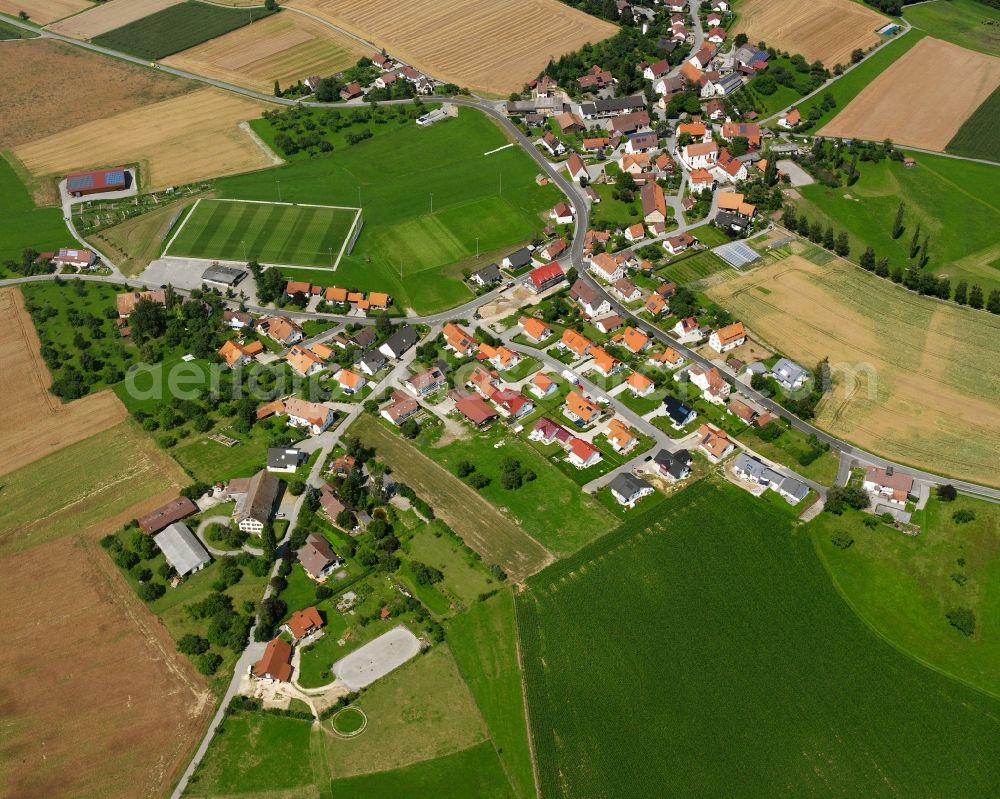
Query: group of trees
{"type": "Point", "coordinates": [300, 129]}
{"type": "Point", "coordinates": [29, 264]}
{"type": "Point", "coordinates": [816, 233]}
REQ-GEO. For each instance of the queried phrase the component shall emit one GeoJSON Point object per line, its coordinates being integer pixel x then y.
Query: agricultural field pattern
{"type": "Point", "coordinates": [537, 399]}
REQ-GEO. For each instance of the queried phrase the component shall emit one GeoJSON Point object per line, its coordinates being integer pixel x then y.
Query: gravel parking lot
{"type": "Point", "coordinates": [377, 658]}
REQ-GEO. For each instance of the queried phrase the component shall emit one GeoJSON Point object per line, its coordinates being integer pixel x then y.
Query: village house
{"type": "Point", "coordinates": [628, 489]}
{"type": "Point", "coordinates": [487, 276]}
{"type": "Point", "coordinates": [635, 232]}
{"type": "Point", "coordinates": [654, 204]}
{"type": "Point", "coordinates": [545, 277]}
{"type": "Point", "coordinates": [753, 470]}
{"type": "Point", "coordinates": [499, 357]}
{"type": "Point", "coordinates": [603, 362]}
{"type": "Point", "coordinates": [255, 500]}
{"type": "Point", "coordinates": [551, 144]}
{"type": "Point", "coordinates": [310, 416]}
{"type": "Point", "coordinates": [577, 169]}
{"type": "Point", "coordinates": [679, 243]}
{"type": "Point", "coordinates": [790, 119]}
{"type": "Point", "coordinates": [642, 142]}
{"type": "Point", "coordinates": [729, 168]}
{"type": "Point", "coordinates": [733, 201]}
{"type": "Point", "coordinates": [582, 454]}
{"type": "Point", "coordinates": [275, 665]}
{"type": "Point", "coordinates": [656, 305]}
{"type": "Point", "coordinates": [75, 258]}
{"type": "Point", "coordinates": [546, 431]}
{"type": "Point", "coordinates": [475, 410]}
{"type": "Point", "coordinates": [673, 466]}
{"type": "Point", "coordinates": [635, 163]}
{"type": "Point", "coordinates": [789, 374]}
{"type": "Point", "coordinates": [542, 385]}
{"type": "Point", "coordinates": [534, 329]}
{"type": "Point", "coordinates": [236, 320]}
{"type": "Point", "coordinates": [748, 130]}
{"type": "Point", "coordinates": [303, 623]}
{"type": "Point", "coordinates": [483, 381]}
{"type": "Point", "coordinates": [888, 484]}
{"type": "Point", "coordinates": [126, 302]}
{"type": "Point", "coordinates": [552, 250]}
{"type": "Point", "coordinates": [727, 338]}
{"type": "Point", "coordinates": [580, 410]}
{"type": "Point", "coordinates": [427, 382]}
{"type": "Point", "coordinates": [640, 385]}
{"type": "Point", "coordinates": [399, 342]}
{"type": "Point", "coordinates": [607, 267]}
{"type": "Point", "coordinates": [609, 323]}
{"type": "Point", "coordinates": [511, 403]}
{"type": "Point", "coordinates": [669, 358]}
{"type": "Point", "coordinates": [687, 330]}
{"type": "Point", "coordinates": [372, 362]}
{"type": "Point", "coordinates": [620, 436]}
{"type": "Point", "coordinates": [399, 408]}
{"type": "Point", "coordinates": [633, 339]}
{"type": "Point", "coordinates": [280, 329]}
{"type": "Point", "coordinates": [457, 339]}
{"type": "Point", "coordinates": [591, 301]}
{"type": "Point", "coordinates": [235, 354]}
{"type": "Point", "coordinates": [699, 155]}
{"type": "Point", "coordinates": [711, 382]}
{"type": "Point", "coordinates": [350, 382]}
{"type": "Point", "coordinates": [715, 443]}
{"type": "Point", "coordinates": [318, 558]}
{"type": "Point", "coordinates": [304, 362]}
{"type": "Point", "coordinates": [561, 213]}
{"type": "Point", "coordinates": [679, 413]}
{"type": "Point", "coordinates": [283, 459]}
{"type": "Point", "coordinates": [629, 123]}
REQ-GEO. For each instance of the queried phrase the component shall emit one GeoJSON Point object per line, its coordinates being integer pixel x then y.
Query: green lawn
{"type": "Point", "coordinates": [474, 772]}
{"type": "Point", "coordinates": [848, 86]}
{"type": "Point", "coordinates": [177, 28]}
{"type": "Point", "coordinates": [483, 643]}
{"type": "Point", "coordinates": [265, 232]}
{"type": "Point", "coordinates": [903, 586]}
{"type": "Point", "coordinates": [614, 211]}
{"type": "Point", "coordinates": [960, 22]}
{"type": "Point", "coordinates": [8, 31]}
{"type": "Point", "coordinates": [977, 137]}
{"type": "Point", "coordinates": [22, 224]}
{"type": "Point", "coordinates": [551, 508]}
{"type": "Point", "coordinates": [709, 235]}
{"type": "Point", "coordinates": [953, 201]}
{"type": "Point", "coordinates": [638, 677]}
{"type": "Point", "coordinates": [406, 248]}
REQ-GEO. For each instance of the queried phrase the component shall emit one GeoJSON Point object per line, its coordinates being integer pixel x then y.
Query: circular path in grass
{"type": "Point", "coordinates": [349, 722]}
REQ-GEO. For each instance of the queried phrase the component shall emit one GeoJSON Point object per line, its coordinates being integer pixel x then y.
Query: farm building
{"type": "Point", "coordinates": [82, 183]}
{"type": "Point", "coordinates": [173, 511]}
{"type": "Point", "coordinates": [256, 504]}
{"type": "Point", "coordinates": [182, 550]}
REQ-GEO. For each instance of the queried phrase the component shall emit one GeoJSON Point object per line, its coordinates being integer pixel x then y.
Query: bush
{"type": "Point", "coordinates": [208, 663]}
{"type": "Point", "coordinates": [426, 575]}
{"type": "Point", "coordinates": [464, 469]}
{"type": "Point", "coordinates": [192, 645]}
{"type": "Point", "coordinates": [111, 543]}
{"type": "Point", "coordinates": [498, 573]}
{"type": "Point", "coordinates": [125, 559]}
{"type": "Point", "coordinates": [842, 541]}
{"type": "Point", "coordinates": [840, 499]}
{"type": "Point", "coordinates": [323, 592]}
{"type": "Point", "coordinates": [963, 620]}
{"type": "Point", "coordinates": [479, 480]}
{"type": "Point", "coordinates": [947, 493]}
{"type": "Point", "coordinates": [963, 516]}
{"type": "Point", "coordinates": [150, 592]}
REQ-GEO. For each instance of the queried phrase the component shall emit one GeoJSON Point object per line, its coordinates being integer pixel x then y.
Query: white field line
{"type": "Point", "coordinates": [347, 238]}
{"type": "Point", "coordinates": [498, 149]}
{"type": "Point", "coordinates": [178, 231]}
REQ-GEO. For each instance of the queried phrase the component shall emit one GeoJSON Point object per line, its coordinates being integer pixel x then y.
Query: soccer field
{"type": "Point", "coordinates": [272, 233]}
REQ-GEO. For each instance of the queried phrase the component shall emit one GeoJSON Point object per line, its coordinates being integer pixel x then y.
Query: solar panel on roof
{"type": "Point", "coordinates": [80, 182]}
{"type": "Point", "coordinates": [115, 177]}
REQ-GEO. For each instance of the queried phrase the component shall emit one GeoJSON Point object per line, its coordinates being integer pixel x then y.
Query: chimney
{"type": "Point", "coordinates": [888, 471]}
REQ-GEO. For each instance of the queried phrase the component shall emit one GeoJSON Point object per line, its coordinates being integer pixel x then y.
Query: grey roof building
{"type": "Point", "coordinates": [518, 258]}
{"type": "Point", "coordinates": [254, 508]}
{"type": "Point", "coordinates": [754, 470]}
{"type": "Point", "coordinates": [372, 361]}
{"type": "Point", "coordinates": [182, 549]}
{"type": "Point", "coordinates": [223, 275]}
{"type": "Point", "coordinates": [486, 276]}
{"type": "Point", "coordinates": [788, 373]}
{"type": "Point", "coordinates": [317, 556]}
{"type": "Point", "coordinates": [612, 105]}
{"type": "Point", "coordinates": [673, 465]}
{"type": "Point", "coordinates": [399, 342]}
{"type": "Point", "coordinates": [280, 459]}
{"type": "Point", "coordinates": [628, 489]}
{"type": "Point", "coordinates": [791, 489]}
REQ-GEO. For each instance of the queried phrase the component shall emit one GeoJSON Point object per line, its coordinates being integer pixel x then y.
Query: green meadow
{"type": "Point", "coordinates": [702, 650]}
{"type": "Point", "coordinates": [953, 201]}
{"type": "Point", "coordinates": [429, 197]}
{"type": "Point", "coordinates": [24, 225]}
{"type": "Point", "coordinates": [961, 22]}
{"type": "Point", "coordinates": [977, 138]}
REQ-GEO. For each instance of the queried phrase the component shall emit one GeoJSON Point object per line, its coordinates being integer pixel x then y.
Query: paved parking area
{"type": "Point", "coordinates": [377, 658]}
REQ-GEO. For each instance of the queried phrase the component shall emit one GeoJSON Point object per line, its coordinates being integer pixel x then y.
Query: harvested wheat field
{"type": "Point", "coordinates": [103, 18]}
{"type": "Point", "coordinates": [922, 99]}
{"type": "Point", "coordinates": [182, 140]}
{"type": "Point", "coordinates": [96, 700]}
{"type": "Point", "coordinates": [34, 422]}
{"type": "Point", "coordinates": [57, 71]}
{"type": "Point", "coordinates": [489, 47]}
{"type": "Point", "coordinates": [42, 12]}
{"type": "Point", "coordinates": [285, 47]}
{"type": "Point", "coordinates": [824, 30]}
{"type": "Point", "coordinates": [928, 373]}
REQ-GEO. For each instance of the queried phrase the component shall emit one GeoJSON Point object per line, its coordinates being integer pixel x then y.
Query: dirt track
{"type": "Point", "coordinates": [922, 99]}
{"type": "Point", "coordinates": [34, 422]}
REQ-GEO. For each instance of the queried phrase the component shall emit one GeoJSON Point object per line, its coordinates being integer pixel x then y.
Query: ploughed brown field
{"type": "Point", "coordinates": [41, 12]}
{"type": "Point", "coordinates": [916, 379]}
{"type": "Point", "coordinates": [285, 47]}
{"type": "Point", "coordinates": [34, 422]}
{"type": "Point", "coordinates": [922, 99]}
{"type": "Point", "coordinates": [36, 68]}
{"type": "Point", "coordinates": [824, 30]}
{"type": "Point", "coordinates": [492, 47]}
{"type": "Point", "coordinates": [108, 16]}
{"type": "Point", "coordinates": [181, 140]}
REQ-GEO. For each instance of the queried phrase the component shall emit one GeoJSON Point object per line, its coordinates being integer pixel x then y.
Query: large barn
{"type": "Point", "coordinates": [81, 183]}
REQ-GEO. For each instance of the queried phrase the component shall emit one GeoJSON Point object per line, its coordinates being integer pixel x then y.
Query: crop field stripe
{"type": "Point", "coordinates": [239, 220]}
{"type": "Point", "coordinates": [205, 231]}
{"type": "Point", "coordinates": [261, 242]}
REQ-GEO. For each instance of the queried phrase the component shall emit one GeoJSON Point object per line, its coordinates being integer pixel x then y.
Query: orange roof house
{"type": "Point", "coordinates": [542, 384]}
{"type": "Point", "coordinates": [335, 294]}
{"type": "Point", "coordinates": [669, 357]}
{"type": "Point", "coordinates": [379, 300]}
{"type": "Point", "coordinates": [639, 384]}
{"type": "Point", "coordinates": [236, 354]}
{"type": "Point", "coordinates": [457, 339]}
{"type": "Point", "coordinates": [483, 381]}
{"type": "Point", "coordinates": [655, 305]}
{"type": "Point", "coordinates": [355, 296]}
{"type": "Point", "coordinates": [604, 362]}
{"type": "Point", "coordinates": [535, 329]}
{"type": "Point", "coordinates": [501, 357]}
{"type": "Point", "coordinates": [304, 362]}
{"type": "Point", "coordinates": [350, 381]}
{"type": "Point", "coordinates": [579, 408]}
{"type": "Point", "coordinates": [714, 442]}
{"type": "Point", "coordinates": [322, 350]}
{"type": "Point", "coordinates": [276, 663]}
{"type": "Point", "coordinates": [634, 339]}
{"type": "Point", "coordinates": [573, 341]}
{"type": "Point", "coordinates": [304, 622]}
{"type": "Point", "coordinates": [620, 436]}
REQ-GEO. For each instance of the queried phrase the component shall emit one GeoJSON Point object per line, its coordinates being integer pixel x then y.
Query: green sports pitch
{"type": "Point", "coordinates": [271, 233]}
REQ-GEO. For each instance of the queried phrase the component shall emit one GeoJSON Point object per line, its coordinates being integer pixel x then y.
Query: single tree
{"type": "Point", "coordinates": [915, 241]}
{"type": "Point", "coordinates": [868, 259]}
{"type": "Point", "coordinates": [897, 225]}
{"type": "Point", "coordinates": [975, 296]}
{"type": "Point", "coordinates": [843, 245]}
{"type": "Point", "coordinates": [993, 303]}
{"type": "Point", "coordinates": [961, 292]}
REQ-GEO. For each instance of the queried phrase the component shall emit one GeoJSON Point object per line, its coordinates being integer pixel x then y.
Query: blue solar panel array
{"type": "Point", "coordinates": [80, 182]}
{"type": "Point", "coordinates": [118, 176]}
